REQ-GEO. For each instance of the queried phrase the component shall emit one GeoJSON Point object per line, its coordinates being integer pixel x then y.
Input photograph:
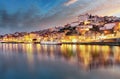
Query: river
{"type": "Point", "coordinates": [35, 61]}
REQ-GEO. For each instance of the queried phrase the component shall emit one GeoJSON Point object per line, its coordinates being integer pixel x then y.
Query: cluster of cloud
{"type": "Point", "coordinates": [19, 21]}
{"type": "Point", "coordinates": [33, 19]}
{"type": "Point", "coordinates": [69, 2]}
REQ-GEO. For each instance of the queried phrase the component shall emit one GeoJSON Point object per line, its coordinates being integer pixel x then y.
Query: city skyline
{"type": "Point", "coordinates": [31, 15]}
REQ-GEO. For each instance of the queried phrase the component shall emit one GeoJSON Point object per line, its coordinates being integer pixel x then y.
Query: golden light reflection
{"type": "Point", "coordinates": [38, 47]}
{"type": "Point", "coordinates": [29, 52]}
{"type": "Point", "coordinates": [52, 52]}
{"type": "Point", "coordinates": [117, 54]}
{"type": "Point", "coordinates": [98, 56]}
{"type": "Point", "coordinates": [87, 55]}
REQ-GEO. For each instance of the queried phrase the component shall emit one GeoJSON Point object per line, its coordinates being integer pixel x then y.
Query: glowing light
{"type": "Point", "coordinates": [86, 22]}
{"type": "Point", "coordinates": [74, 40]}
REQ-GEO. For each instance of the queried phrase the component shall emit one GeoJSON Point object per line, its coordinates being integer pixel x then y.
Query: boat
{"type": "Point", "coordinates": [50, 43]}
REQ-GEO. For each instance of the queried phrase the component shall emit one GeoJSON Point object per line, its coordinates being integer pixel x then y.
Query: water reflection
{"type": "Point", "coordinates": [87, 56]}
{"type": "Point", "coordinates": [92, 57]}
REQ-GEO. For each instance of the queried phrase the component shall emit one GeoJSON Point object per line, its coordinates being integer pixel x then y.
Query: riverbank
{"type": "Point", "coordinates": [94, 43]}
{"type": "Point", "coordinates": [77, 43]}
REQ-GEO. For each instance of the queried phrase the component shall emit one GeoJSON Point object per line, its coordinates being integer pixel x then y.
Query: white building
{"type": "Point", "coordinates": [86, 26]}
{"type": "Point", "coordinates": [73, 24]}
{"type": "Point", "coordinates": [108, 26]}
{"type": "Point", "coordinates": [82, 18]}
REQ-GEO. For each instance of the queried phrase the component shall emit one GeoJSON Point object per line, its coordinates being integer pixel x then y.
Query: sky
{"type": "Point", "coordinates": [35, 15]}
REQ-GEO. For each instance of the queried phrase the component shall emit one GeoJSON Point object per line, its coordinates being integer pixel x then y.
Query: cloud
{"type": "Point", "coordinates": [102, 7]}
{"type": "Point", "coordinates": [19, 21]}
{"type": "Point", "coordinates": [33, 19]}
{"type": "Point", "coordinates": [70, 2]}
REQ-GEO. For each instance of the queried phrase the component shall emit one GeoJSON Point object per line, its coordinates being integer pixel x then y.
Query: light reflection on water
{"type": "Point", "coordinates": [28, 61]}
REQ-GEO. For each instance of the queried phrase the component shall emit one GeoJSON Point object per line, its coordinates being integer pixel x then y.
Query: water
{"type": "Point", "coordinates": [35, 61]}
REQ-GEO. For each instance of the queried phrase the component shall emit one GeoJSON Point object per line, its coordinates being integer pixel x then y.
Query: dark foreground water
{"type": "Point", "coordinates": [35, 61]}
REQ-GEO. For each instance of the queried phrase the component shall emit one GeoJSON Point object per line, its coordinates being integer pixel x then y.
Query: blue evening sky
{"type": "Point", "coordinates": [19, 15]}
